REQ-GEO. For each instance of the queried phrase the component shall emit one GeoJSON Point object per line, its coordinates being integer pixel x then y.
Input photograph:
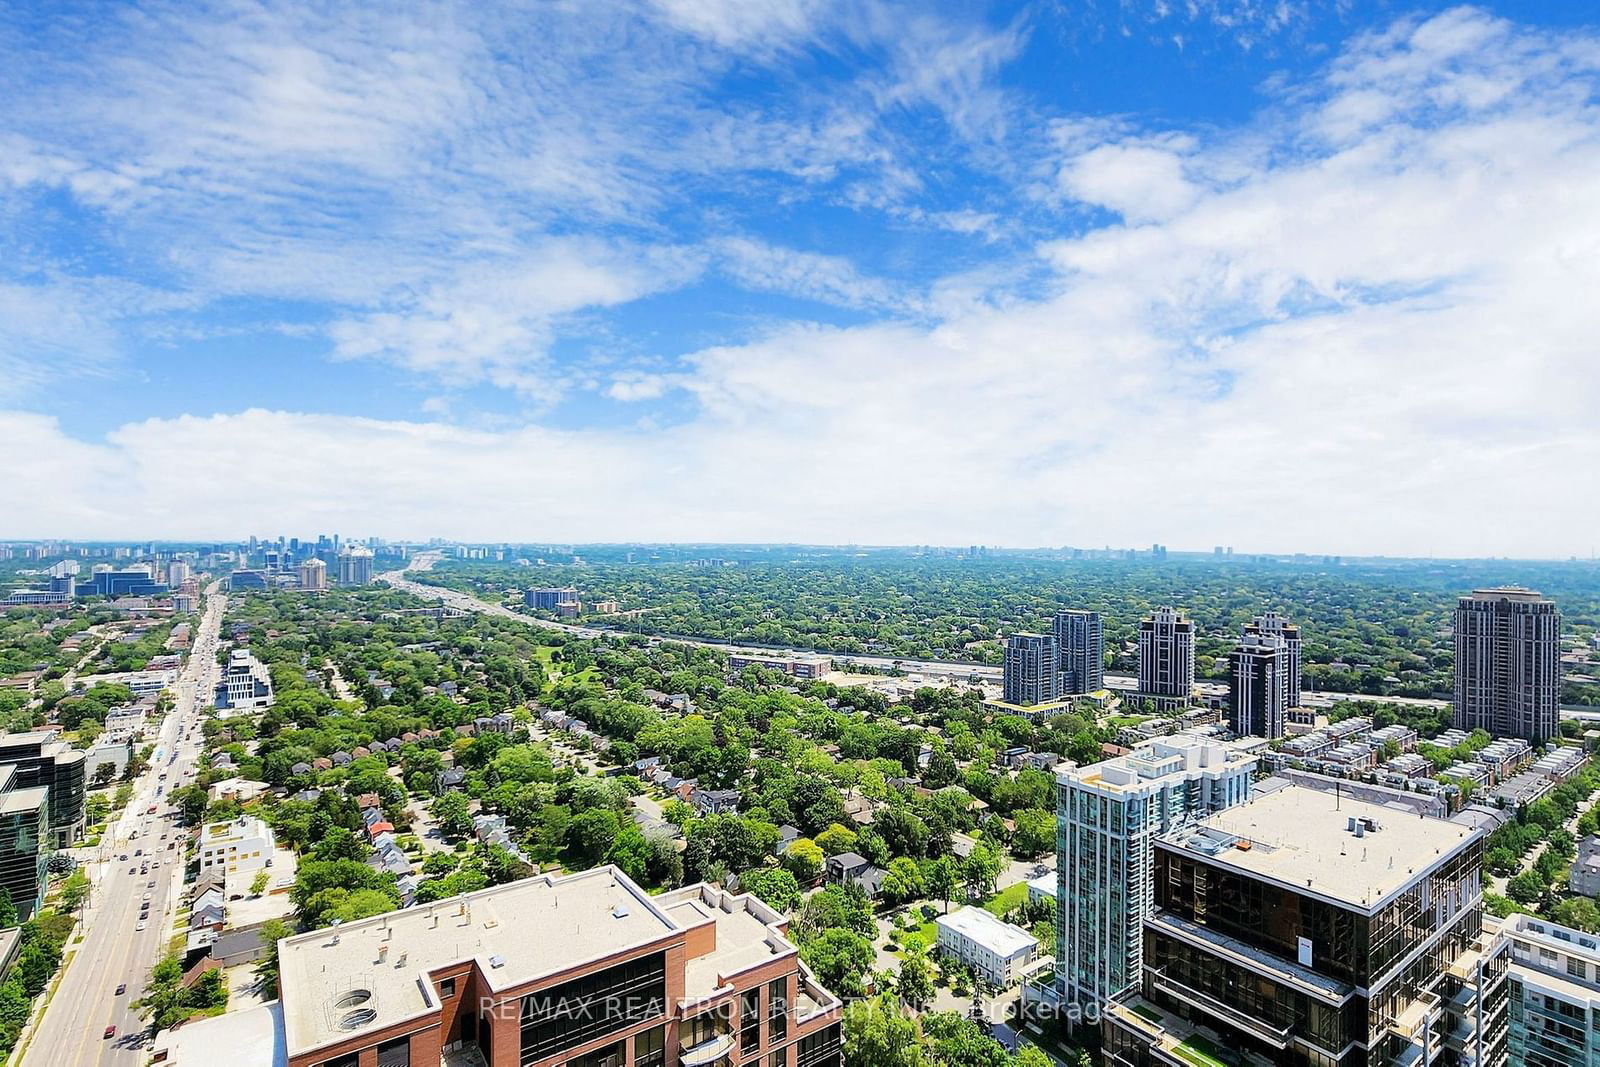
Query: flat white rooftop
{"type": "Point", "coordinates": [981, 927]}
{"type": "Point", "coordinates": [249, 1038]}
{"type": "Point", "coordinates": [519, 932]}
{"type": "Point", "coordinates": [1301, 838]}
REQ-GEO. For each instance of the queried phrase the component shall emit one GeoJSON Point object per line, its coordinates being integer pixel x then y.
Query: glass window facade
{"type": "Point", "coordinates": [650, 1047]}
{"type": "Point", "coordinates": [585, 1009]}
{"type": "Point", "coordinates": [824, 1048]}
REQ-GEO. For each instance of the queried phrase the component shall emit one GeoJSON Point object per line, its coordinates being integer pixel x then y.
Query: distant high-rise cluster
{"type": "Point", "coordinates": [355, 565]}
{"type": "Point", "coordinates": [1508, 663]}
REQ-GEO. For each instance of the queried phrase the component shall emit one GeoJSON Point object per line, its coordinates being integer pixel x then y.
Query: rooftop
{"type": "Point", "coordinates": [367, 975]}
{"type": "Point", "coordinates": [748, 934]}
{"type": "Point", "coordinates": [1302, 838]}
{"type": "Point", "coordinates": [1157, 760]}
{"type": "Point", "coordinates": [978, 925]}
{"type": "Point", "coordinates": [249, 1038]}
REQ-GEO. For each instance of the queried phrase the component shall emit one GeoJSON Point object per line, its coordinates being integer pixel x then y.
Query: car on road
{"type": "Point", "coordinates": [133, 870]}
{"type": "Point", "coordinates": [111, 1031]}
{"type": "Point", "coordinates": [139, 927]}
{"type": "Point", "coordinates": [121, 989]}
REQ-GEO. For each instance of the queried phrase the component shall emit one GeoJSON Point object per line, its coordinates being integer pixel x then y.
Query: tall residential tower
{"type": "Point", "coordinates": [1508, 664]}
{"type": "Point", "coordinates": [1272, 623]}
{"type": "Point", "coordinates": [1081, 641]}
{"type": "Point", "coordinates": [1107, 818]}
{"type": "Point", "coordinates": [1166, 658]}
{"type": "Point", "coordinates": [1030, 675]}
{"type": "Point", "coordinates": [1259, 686]}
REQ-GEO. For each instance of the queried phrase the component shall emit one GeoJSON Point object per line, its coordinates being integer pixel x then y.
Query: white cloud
{"type": "Point", "coordinates": [1363, 322]}
{"type": "Point", "coordinates": [493, 321]}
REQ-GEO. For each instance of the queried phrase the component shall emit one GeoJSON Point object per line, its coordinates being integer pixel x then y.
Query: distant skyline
{"type": "Point", "coordinates": [1317, 277]}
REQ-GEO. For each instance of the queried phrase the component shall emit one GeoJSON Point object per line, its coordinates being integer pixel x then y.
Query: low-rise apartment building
{"type": "Point", "coordinates": [585, 970]}
{"type": "Point", "coordinates": [245, 684]}
{"type": "Point", "coordinates": [996, 951]}
{"type": "Point", "coordinates": [241, 846]}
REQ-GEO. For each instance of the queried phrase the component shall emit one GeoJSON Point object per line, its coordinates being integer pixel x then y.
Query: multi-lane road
{"type": "Point", "coordinates": [931, 669]}
{"type": "Point", "coordinates": [140, 855]}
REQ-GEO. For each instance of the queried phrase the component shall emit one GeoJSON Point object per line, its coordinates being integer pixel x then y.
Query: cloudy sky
{"type": "Point", "coordinates": [1279, 274]}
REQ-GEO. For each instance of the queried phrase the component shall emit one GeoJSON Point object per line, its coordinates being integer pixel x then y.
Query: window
{"type": "Point", "coordinates": [821, 1049]}
{"type": "Point", "coordinates": [1577, 968]}
{"type": "Point", "coordinates": [612, 1055]}
{"type": "Point", "coordinates": [447, 988]}
{"type": "Point", "coordinates": [575, 1012]}
{"type": "Point", "coordinates": [349, 1059]}
{"type": "Point", "coordinates": [777, 1058]}
{"type": "Point", "coordinates": [650, 1048]}
{"type": "Point", "coordinates": [750, 1021]}
{"type": "Point", "coordinates": [778, 1010]}
{"type": "Point", "coordinates": [396, 1053]}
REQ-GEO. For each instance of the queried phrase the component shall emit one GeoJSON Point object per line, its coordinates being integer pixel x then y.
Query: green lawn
{"type": "Point", "coordinates": [924, 934]}
{"type": "Point", "coordinates": [1199, 1050]}
{"type": "Point", "coordinates": [1007, 899]}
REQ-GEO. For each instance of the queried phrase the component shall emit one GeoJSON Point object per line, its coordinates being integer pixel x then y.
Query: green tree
{"type": "Point", "coordinates": [804, 859]}
{"type": "Point", "coordinates": [454, 815]}
{"type": "Point", "coordinates": [1581, 913]}
{"type": "Point", "coordinates": [1035, 834]}
{"type": "Point", "coordinates": [774, 885]}
{"type": "Point", "coordinates": [74, 891]}
{"type": "Point", "coordinates": [271, 932]}
{"type": "Point", "coordinates": [878, 1034]}
{"type": "Point", "coordinates": [915, 981]}
{"type": "Point", "coordinates": [590, 835]}
{"type": "Point", "coordinates": [902, 881]}
{"type": "Point", "coordinates": [8, 910]}
{"type": "Point", "coordinates": [259, 883]}
{"type": "Point", "coordinates": [1525, 888]}
{"type": "Point", "coordinates": [839, 958]}
{"type": "Point", "coordinates": [836, 839]}
{"type": "Point", "coordinates": [944, 878]}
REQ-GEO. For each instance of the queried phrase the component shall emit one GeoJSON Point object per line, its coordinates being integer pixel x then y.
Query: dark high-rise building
{"type": "Point", "coordinates": [1166, 658]}
{"type": "Point", "coordinates": [1306, 928]}
{"type": "Point", "coordinates": [1081, 644]}
{"type": "Point", "coordinates": [41, 759]}
{"type": "Point", "coordinates": [1259, 686]}
{"type": "Point", "coordinates": [24, 840]}
{"type": "Point", "coordinates": [1508, 664]}
{"type": "Point", "coordinates": [1272, 623]}
{"type": "Point", "coordinates": [1031, 667]}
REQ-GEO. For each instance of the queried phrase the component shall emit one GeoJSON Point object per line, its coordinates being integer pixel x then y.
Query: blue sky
{"type": "Point", "coordinates": [1278, 275]}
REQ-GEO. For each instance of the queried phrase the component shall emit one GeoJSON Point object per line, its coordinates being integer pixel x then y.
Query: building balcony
{"type": "Point", "coordinates": [710, 1051]}
{"type": "Point", "coordinates": [1276, 1036]}
{"type": "Point", "coordinates": [812, 1001]}
{"type": "Point", "coordinates": [1174, 1040]}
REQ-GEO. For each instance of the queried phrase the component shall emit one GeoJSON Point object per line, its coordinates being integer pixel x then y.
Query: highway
{"type": "Point", "coordinates": [954, 671]}
{"type": "Point", "coordinates": [114, 952]}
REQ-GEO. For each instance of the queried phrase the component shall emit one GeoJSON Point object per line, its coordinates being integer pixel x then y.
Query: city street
{"type": "Point", "coordinates": [112, 950]}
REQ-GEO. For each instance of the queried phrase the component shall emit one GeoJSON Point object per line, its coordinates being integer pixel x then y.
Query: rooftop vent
{"type": "Point", "coordinates": [356, 1018]}
{"type": "Point", "coordinates": [497, 961]}
{"type": "Point", "coordinates": [353, 998]}
{"type": "Point", "coordinates": [619, 912]}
